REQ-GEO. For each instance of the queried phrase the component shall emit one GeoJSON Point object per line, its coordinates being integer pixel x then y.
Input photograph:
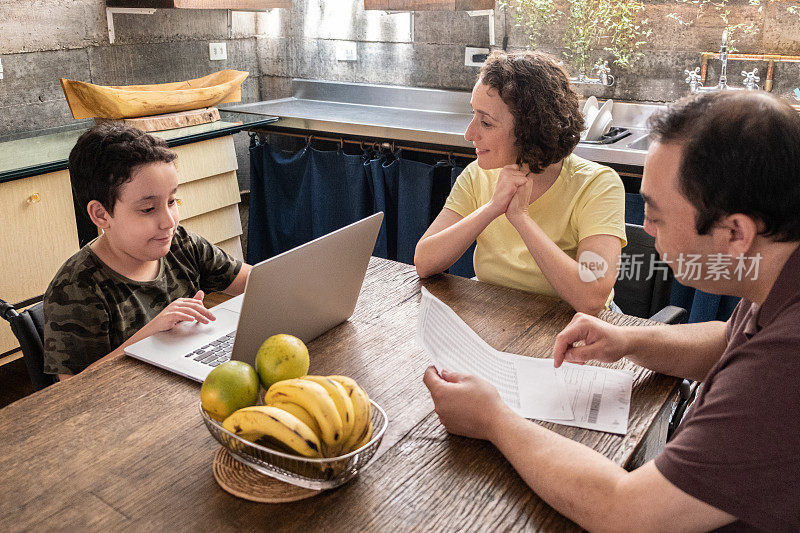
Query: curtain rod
{"type": "Point", "coordinates": [384, 144]}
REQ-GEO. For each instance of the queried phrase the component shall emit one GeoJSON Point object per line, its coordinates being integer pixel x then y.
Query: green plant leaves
{"type": "Point", "coordinates": [614, 26]}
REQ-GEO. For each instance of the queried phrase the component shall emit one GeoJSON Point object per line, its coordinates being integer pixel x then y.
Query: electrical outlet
{"type": "Point", "coordinates": [470, 59]}
{"type": "Point", "coordinates": [217, 51]}
{"type": "Point", "coordinates": [1, 68]}
{"type": "Point", "coordinates": [346, 51]}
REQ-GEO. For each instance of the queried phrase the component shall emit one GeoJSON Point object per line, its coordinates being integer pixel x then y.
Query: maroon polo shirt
{"type": "Point", "coordinates": [738, 449]}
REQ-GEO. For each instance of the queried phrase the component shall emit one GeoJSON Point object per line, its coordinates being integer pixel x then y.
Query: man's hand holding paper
{"type": "Point", "coordinates": [467, 405]}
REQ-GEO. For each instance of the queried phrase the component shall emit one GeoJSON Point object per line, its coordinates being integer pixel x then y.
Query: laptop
{"type": "Point", "coordinates": [304, 292]}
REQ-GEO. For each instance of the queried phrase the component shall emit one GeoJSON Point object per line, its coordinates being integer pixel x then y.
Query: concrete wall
{"type": "Point", "coordinates": [306, 44]}
{"type": "Point", "coordinates": [43, 41]}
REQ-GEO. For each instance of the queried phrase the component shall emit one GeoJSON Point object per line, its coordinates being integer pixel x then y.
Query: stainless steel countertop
{"type": "Point", "coordinates": [429, 116]}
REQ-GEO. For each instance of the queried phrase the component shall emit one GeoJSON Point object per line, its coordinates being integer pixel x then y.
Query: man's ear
{"type": "Point", "coordinates": [99, 215]}
{"type": "Point", "coordinates": [740, 232]}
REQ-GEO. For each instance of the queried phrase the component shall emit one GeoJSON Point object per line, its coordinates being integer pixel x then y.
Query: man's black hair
{"type": "Point", "coordinates": [741, 154]}
{"type": "Point", "coordinates": [104, 158]}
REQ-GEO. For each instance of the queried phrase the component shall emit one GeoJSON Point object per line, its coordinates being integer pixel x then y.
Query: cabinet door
{"type": "Point", "coordinates": [38, 234]}
{"type": "Point", "coordinates": [209, 192]}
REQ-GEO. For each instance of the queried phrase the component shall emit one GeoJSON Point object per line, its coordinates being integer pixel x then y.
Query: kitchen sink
{"type": "Point", "coordinates": [642, 143]}
{"type": "Point", "coordinates": [435, 117]}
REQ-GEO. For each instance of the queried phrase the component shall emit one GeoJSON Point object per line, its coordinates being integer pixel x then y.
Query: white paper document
{"type": "Point", "coordinates": [575, 395]}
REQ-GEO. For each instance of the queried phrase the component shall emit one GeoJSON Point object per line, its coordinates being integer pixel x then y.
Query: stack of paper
{"type": "Point", "coordinates": [575, 395]}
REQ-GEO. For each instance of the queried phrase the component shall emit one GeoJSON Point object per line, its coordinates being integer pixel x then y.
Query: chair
{"type": "Point", "coordinates": [28, 327]}
{"type": "Point", "coordinates": [643, 286]}
{"type": "Point", "coordinates": [643, 290]}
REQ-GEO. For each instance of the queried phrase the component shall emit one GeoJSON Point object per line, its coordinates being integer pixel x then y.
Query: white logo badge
{"type": "Point", "coordinates": [591, 266]}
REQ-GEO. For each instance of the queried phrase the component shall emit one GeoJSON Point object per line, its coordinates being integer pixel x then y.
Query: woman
{"type": "Point", "coordinates": [557, 206]}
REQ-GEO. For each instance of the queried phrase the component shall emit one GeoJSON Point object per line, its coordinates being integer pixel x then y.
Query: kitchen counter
{"type": "Point", "coordinates": [427, 116]}
{"type": "Point", "coordinates": [39, 152]}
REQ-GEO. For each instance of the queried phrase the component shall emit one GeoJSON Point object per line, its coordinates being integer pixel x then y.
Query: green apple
{"type": "Point", "coordinates": [230, 386]}
{"type": "Point", "coordinates": [281, 357]}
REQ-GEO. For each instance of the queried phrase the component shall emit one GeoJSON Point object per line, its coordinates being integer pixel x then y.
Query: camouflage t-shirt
{"type": "Point", "coordinates": [90, 309]}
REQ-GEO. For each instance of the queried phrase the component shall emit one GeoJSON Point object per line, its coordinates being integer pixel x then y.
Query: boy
{"type": "Point", "coordinates": [144, 273]}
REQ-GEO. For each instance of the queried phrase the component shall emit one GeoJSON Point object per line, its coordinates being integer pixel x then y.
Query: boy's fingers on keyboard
{"type": "Point", "coordinates": [195, 314]}
{"type": "Point", "coordinates": [177, 317]}
{"type": "Point", "coordinates": [198, 307]}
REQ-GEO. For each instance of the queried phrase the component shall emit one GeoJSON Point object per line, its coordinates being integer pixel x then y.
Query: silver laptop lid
{"type": "Point", "coordinates": [307, 290]}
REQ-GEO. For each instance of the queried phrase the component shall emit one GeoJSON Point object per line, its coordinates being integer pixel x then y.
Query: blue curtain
{"type": "Point", "coordinates": [382, 200]}
{"type": "Point", "coordinates": [297, 197]}
{"type": "Point", "coordinates": [702, 306]}
{"type": "Point", "coordinates": [464, 266]}
{"type": "Point", "coordinates": [317, 192]}
{"type": "Point", "coordinates": [634, 208]}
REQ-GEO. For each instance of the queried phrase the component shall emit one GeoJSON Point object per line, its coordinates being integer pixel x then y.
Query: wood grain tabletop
{"type": "Point", "coordinates": [122, 446]}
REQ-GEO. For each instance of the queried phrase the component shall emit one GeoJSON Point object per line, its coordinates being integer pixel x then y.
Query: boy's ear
{"type": "Point", "coordinates": [100, 217]}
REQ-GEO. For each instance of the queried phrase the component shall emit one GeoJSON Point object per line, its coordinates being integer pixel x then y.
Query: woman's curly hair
{"type": "Point", "coordinates": [547, 118]}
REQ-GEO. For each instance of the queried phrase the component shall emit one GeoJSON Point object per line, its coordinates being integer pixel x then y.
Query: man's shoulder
{"type": "Point", "coordinates": [766, 363]}
{"type": "Point", "coordinates": [782, 332]}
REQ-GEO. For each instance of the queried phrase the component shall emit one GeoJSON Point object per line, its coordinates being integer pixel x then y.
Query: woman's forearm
{"type": "Point", "coordinates": [436, 252]}
{"type": "Point", "coordinates": [562, 271]}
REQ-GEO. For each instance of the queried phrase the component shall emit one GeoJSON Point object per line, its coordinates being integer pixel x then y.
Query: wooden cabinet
{"type": "Point", "coordinates": [39, 231]}
{"type": "Point", "coordinates": [209, 192]}
{"type": "Point", "coordinates": [429, 5]}
{"type": "Point", "coordinates": [38, 234]}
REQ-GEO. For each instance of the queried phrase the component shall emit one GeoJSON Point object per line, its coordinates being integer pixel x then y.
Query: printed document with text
{"type": "Point", "coordinates": [576, 395]}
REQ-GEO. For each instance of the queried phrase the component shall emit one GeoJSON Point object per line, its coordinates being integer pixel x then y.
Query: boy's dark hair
{"type": "Point", "coordinates": [741, 154]}
{"type": "Point", "coordinates": [104, 158]}
{"type": "Point", "coordinates": [547, 118]}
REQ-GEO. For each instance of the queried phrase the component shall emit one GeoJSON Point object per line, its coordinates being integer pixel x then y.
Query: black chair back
{"type": "Point", "coordinates": [28, 327]}
{"type": "Point", "coordinates": [643, 286]}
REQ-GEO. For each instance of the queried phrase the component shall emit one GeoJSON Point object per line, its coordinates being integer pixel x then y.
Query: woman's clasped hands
{"type": "Point", "coordinates": [512, 193]}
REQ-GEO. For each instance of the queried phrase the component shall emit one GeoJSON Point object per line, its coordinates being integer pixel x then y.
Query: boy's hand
{"type": "Point", "coordinates": [181, 310]}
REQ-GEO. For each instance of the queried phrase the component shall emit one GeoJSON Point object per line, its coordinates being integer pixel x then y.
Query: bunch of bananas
{"type": "Point", "coordinates": [312, 416]}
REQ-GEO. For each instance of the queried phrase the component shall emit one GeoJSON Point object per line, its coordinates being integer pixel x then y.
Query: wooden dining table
{"type": "Point", "coordinates": [122, 446]}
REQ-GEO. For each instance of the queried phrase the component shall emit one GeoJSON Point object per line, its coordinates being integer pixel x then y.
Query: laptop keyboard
{"type": "Point", "coordinates": [215, 352]}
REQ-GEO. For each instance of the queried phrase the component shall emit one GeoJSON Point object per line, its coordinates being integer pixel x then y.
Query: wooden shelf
{"type": "Point", "coordinates": [429, 5]}
{"type": "Point", "coordinates": [238, 5]}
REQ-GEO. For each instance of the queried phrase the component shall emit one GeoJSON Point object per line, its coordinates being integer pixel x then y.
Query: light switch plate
{"type": "Point", "coordinates": [469, 52]}
{"type": "Point", "coordinates": [346, 51]}
{"type": "Point", "coordinates": [1, 68]}
{"type": "Point", "coordinates": [217, 51]}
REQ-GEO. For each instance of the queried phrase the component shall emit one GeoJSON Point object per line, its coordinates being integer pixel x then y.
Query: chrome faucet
{"type": "Point", "coordinates": [693, 79]}
{"type": "Point", "coordinates": [750, 80]}
{"type": "Point", "coordinates": [604, 76]}
{"type": "Point", "coordinates": [696, 85]}
{"type": "Point", "coordinates": [723, 57]}
{"type": "Point", "coordinates": [604, 73]}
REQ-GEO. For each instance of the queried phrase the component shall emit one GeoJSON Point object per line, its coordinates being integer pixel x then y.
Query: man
{"type": "Point", "coordinates": [721, 182]}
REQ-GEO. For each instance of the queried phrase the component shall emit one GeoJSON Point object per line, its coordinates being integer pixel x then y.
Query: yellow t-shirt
{"type": "Point", "coordinates": [586, 199]}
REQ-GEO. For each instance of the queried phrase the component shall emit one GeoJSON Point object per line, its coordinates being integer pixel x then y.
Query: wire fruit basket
{"type": "Point", "coordinates": [323, 473]}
